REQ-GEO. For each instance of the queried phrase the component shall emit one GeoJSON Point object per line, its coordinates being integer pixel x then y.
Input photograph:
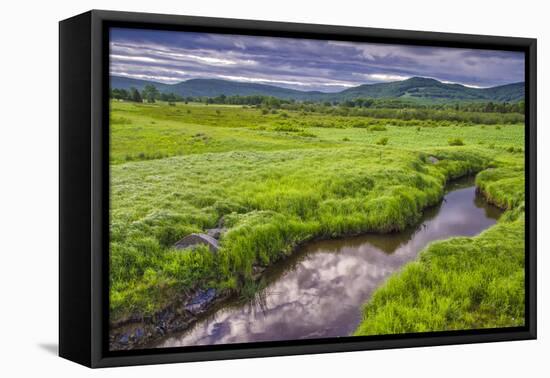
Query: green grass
{"type": "Point", "coordinates": [156, 131]}
{"type": "Point", "coordinates": [504, 186]}
{"type": "Point", "coordinates": [275, 182]}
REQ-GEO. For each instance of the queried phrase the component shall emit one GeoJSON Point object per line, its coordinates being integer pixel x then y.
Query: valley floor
{"type": "Point", "coordinates": [277, 180]}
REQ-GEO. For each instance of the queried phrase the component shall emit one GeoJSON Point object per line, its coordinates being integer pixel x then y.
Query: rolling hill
{"type": "Point", "coordinates": [414, 89]}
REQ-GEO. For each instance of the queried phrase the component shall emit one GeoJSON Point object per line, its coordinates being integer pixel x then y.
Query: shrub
{"type": "Point", "coordinates": [346, 139]}
{"type": "Point", "coordinates": [513, 149]}
{"type": "Point", "coordinates": [377, 128]}
{"type": "Point", "coordinates": [456, 142]}
{"type": "Point", "coordinates": [307, 134]}
{"type": "Point", "coordinates": [288, 128]}
{"type": "Point", "coordinates": [121, 120]}
{"type": "Point", "coordinates": [382, 141]}
{"type": "Point", "coordinates": [360, 125]}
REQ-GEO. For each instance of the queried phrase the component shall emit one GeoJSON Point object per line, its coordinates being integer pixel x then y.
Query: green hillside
{"type": "Point", "coordinates": [425, 88]}
{"type": "Point", "coordinates": [413, 89]}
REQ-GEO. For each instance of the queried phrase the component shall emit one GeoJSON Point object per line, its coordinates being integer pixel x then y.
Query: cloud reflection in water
{"type": "Point", "coordinates": [318, 292]}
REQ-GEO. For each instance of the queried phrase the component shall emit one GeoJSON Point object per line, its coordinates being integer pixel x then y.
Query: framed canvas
{"type": "Point", "coordinates": [234, 188]}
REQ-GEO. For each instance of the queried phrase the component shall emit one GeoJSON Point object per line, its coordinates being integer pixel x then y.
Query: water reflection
{"type": "Point", "coordinates": [318, 292]}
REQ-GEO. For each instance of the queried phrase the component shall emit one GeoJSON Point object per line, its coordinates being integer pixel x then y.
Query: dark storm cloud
{"type": "Point", "coordinates": [303, 64]}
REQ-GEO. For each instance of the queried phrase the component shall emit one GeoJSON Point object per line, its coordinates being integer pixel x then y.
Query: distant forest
{"type": "Point", "coordinates": [473, 112]}
{"type": "Point", "coordinates": [151, 94]}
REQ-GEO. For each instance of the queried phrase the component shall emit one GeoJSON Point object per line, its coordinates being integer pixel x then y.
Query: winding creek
{"type": "Point", "coordinates": [318, 291]}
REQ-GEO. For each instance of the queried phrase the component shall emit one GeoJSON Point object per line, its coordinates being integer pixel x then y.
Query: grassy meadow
{"type": "Point", "coordinates": [278, 178]}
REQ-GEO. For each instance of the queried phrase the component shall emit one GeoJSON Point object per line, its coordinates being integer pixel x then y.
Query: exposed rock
{"type": "Point", "coordinates": [178, 317]}
{"type": "Point", "coordinates": [139, 333]}
{"type": "Point", "coordinates": [257, 271]}
{"type": "Point", "coordinates": [124, 338]}
{"type": "Point", "coordinates": [433, 159]}
{"type": "Point", "coordinates": [160, 330]}
{"type": "Point", "coordinates": [221, 222]}
{"type": "Point", "coordinates": [200, 301]}
{"type": "Point", "coordinates": [191, 241]}
{"type": "Point", "coordinates": [216, 233]}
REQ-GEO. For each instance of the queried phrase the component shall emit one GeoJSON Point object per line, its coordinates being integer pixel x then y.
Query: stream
{"type": "Point", "coordinates": [318, 292]}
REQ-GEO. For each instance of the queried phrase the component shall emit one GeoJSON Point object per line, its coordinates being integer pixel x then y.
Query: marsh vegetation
{"type": "Point", "coordinates": [277, 178]}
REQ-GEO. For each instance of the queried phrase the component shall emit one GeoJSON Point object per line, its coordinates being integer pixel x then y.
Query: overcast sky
{"type": "Point", "coordinates": [304, 64]}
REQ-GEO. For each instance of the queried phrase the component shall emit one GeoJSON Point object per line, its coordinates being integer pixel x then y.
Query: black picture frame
{"type": "Point", "coordinates": [84, 178]}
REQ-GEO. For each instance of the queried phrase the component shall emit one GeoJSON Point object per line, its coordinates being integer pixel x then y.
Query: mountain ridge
{"type": "Point", "coordinates": [414, 88]}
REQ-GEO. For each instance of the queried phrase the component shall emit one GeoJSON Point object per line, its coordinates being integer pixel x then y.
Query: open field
{"type": "Point", "coordinates": [152, 131]}
{"type": "Point", "coordinates": [277, 180]}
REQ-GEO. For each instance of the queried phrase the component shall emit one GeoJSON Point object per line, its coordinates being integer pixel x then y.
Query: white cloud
{"type": "Point", "coordinates": [144, 59]}
{"type": "Point", "coordinates": [463, 84]}
{"type": "Point", "coordinates": [161, 53]}
{"type": "Point", "coordinates": [287, 82]}
{"type": "Point", "coordinates": [161, 79]}
{"type": "Point", "coordinates": [385, 77]}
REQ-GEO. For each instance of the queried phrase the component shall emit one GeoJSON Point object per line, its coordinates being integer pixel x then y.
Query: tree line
{"type": "Point", "coordinates": [151, 94]}
{"type": "Point", "coordinates": [478, 107]}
